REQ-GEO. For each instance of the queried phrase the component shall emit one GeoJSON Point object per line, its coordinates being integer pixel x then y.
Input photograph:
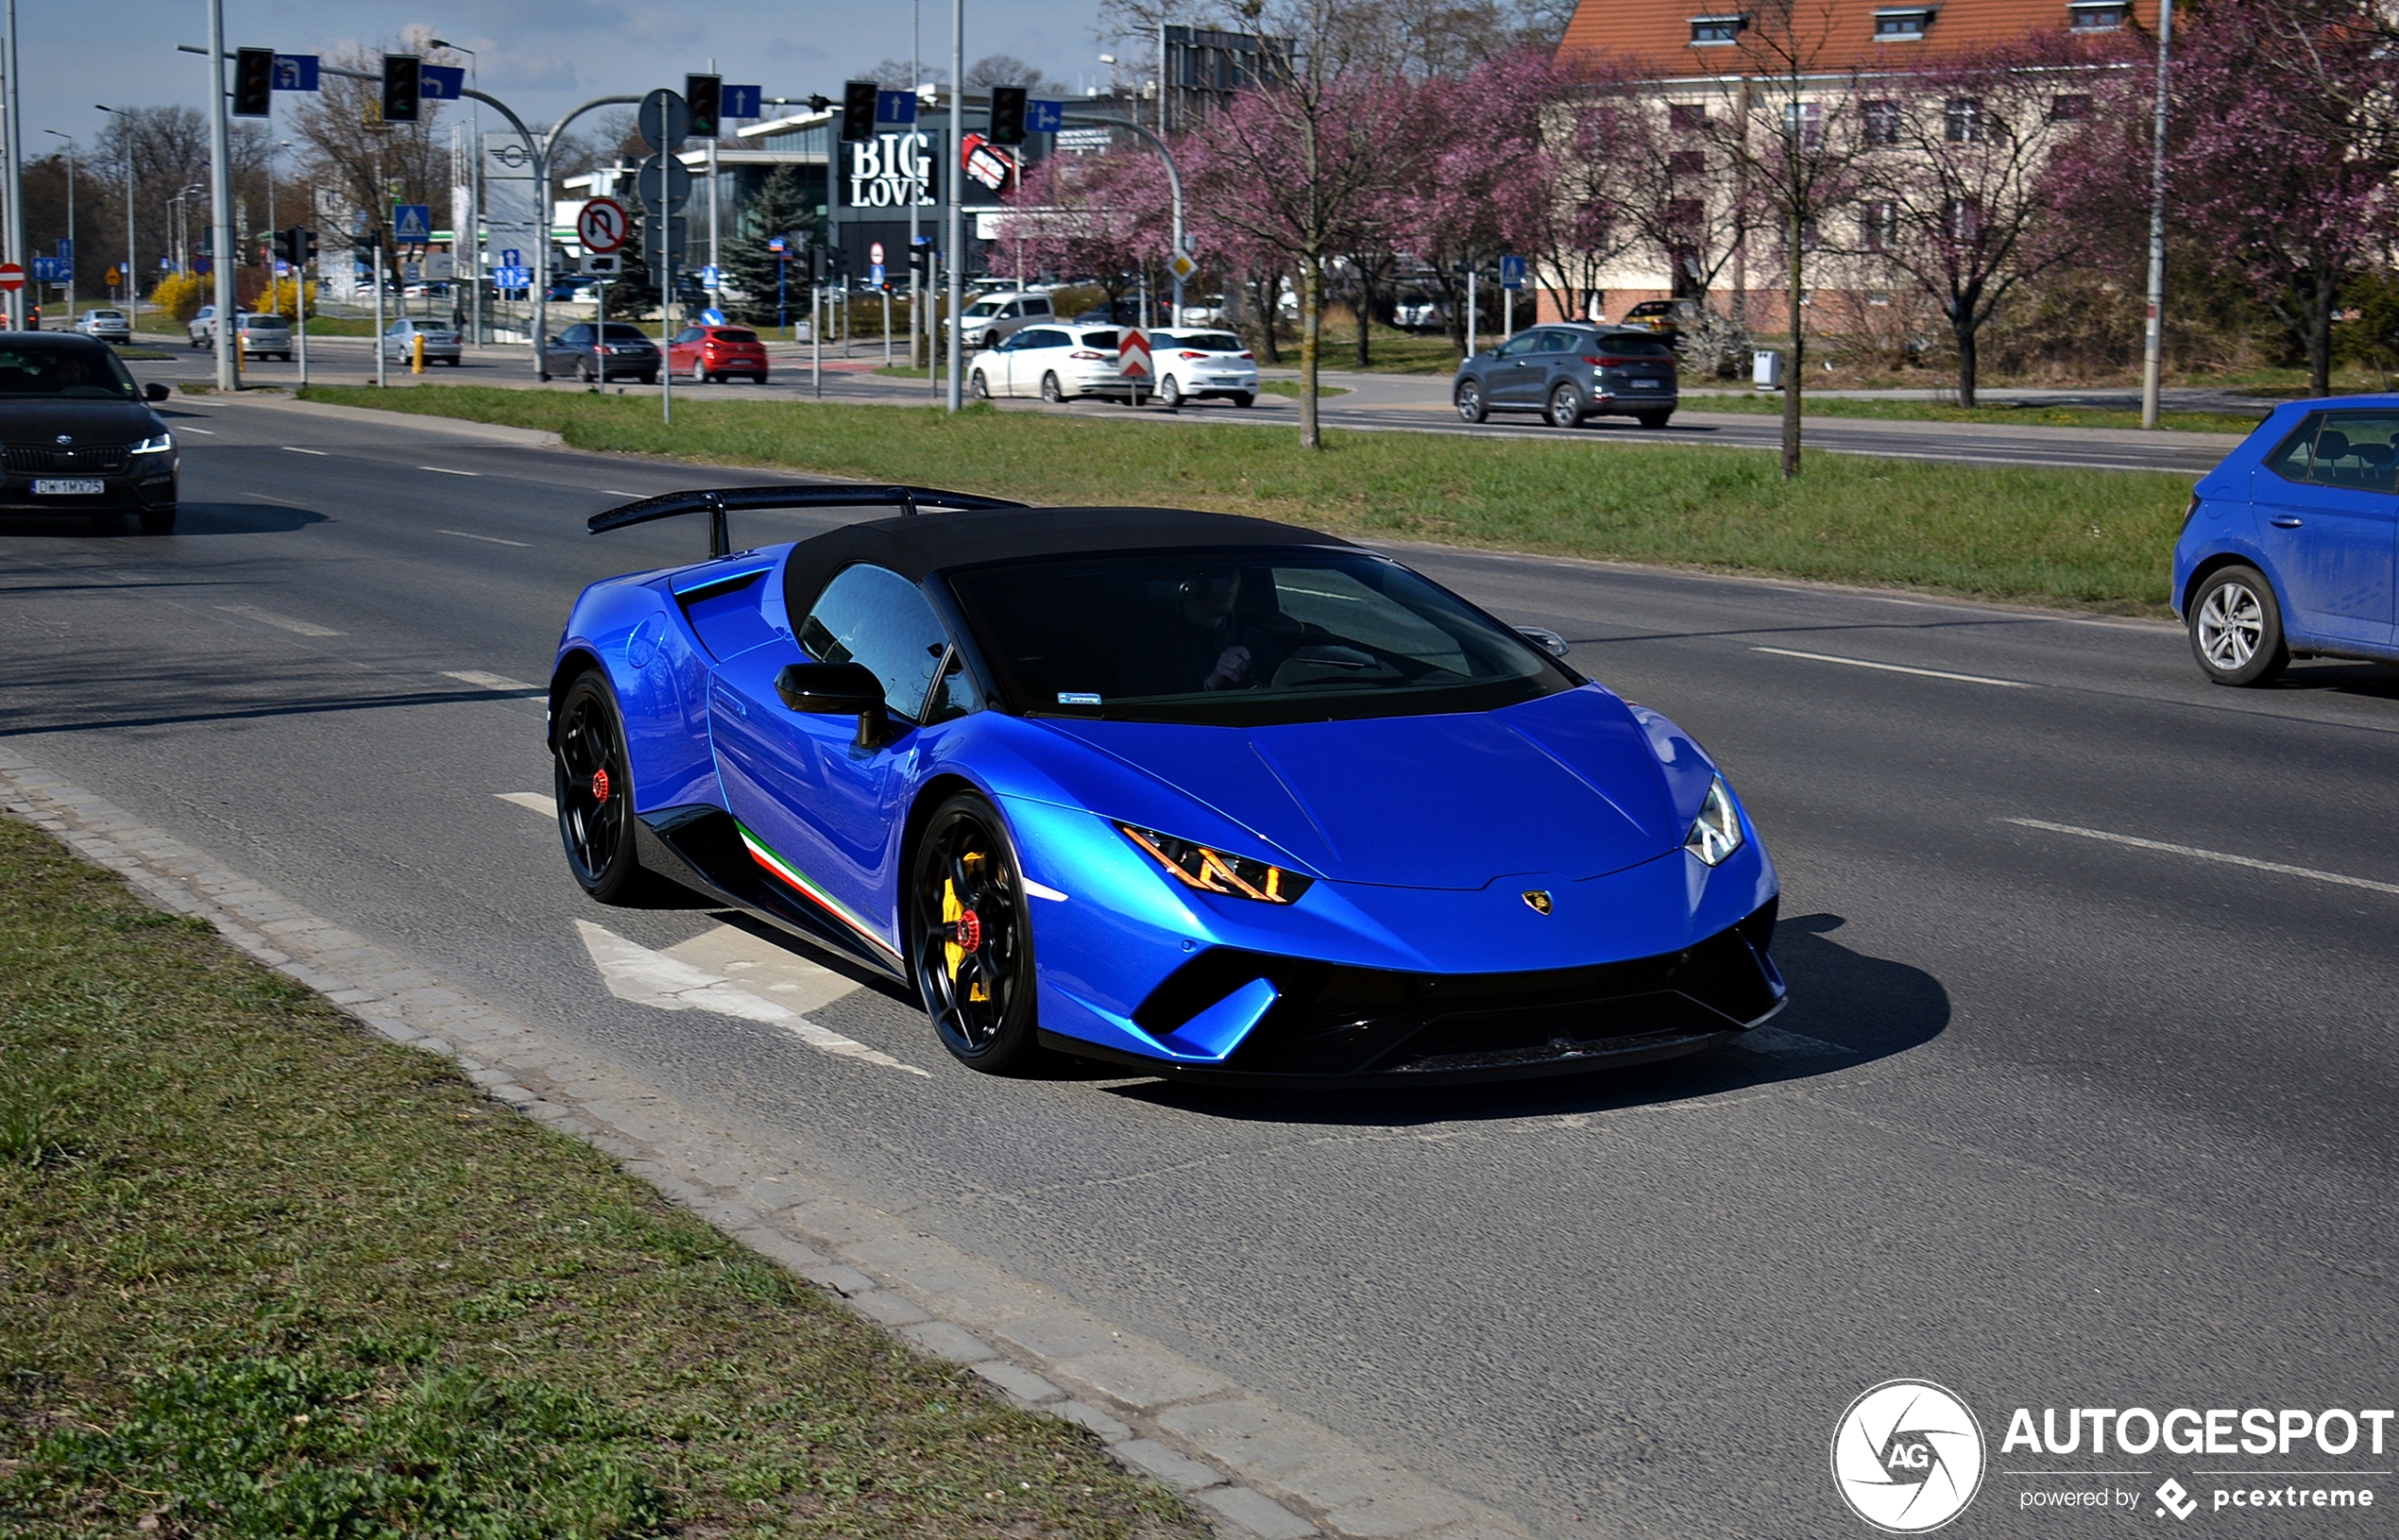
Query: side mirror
{"type": "Point", "coordinates": [155, 391]}
{"type": "Point", "coordinates": [1547, 641]}
{"type": "Point", "coordinates": [836, 690]}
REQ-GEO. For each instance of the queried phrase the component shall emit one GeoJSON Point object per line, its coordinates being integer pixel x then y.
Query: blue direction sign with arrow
{"type": "Point", "coordinates": [296, 72]}
{"type": "Point", "coordinates": [741, 101]}
{"type": "Point", "coordinates": [51, 270]}
{"type": "Point", "coordinates": [1045, 117]}
{"type": "Point", "coordinates": [512, 277]}
{"type": "Point", "coordinates": [896, 106]}
{"type": "Point", "coordinates": [412, 224]}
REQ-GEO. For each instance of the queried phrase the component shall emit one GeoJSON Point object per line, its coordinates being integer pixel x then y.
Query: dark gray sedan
{"type": "Point", "coordinates": [1571, 371]}
{"type": "Point", "coordinates": [626, 352]}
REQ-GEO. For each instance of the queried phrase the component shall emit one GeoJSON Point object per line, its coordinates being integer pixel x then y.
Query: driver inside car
{"type": "Point", "coordinates": [1204, 640]}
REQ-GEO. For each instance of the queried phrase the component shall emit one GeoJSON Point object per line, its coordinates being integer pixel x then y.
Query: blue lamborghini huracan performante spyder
{"type": "Point", "coordinates": [1203, 795]}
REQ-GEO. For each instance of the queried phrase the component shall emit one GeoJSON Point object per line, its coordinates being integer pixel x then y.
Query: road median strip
{"type": "Point", "coordinates": [2095, 539]}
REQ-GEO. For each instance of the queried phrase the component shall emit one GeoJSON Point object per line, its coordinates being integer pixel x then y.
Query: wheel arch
{"type": "Point", "coordinates": [935, 791]}
{"type": "Point", "coordinates": [572, 665]}
{"type": "Point", "coordinates": [2207, 567]}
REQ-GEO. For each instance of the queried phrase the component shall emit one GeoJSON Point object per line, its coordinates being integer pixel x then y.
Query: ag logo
{"type": "Point", "coordinates": [1907, 1456]}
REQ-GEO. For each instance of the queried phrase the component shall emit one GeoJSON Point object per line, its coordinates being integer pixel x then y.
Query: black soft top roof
{"type": "Point", "coordinates": [917, 546]}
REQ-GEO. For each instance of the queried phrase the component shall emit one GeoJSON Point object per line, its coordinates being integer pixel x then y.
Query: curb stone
{"type": "Point", "coordinates": [1257, 1471]}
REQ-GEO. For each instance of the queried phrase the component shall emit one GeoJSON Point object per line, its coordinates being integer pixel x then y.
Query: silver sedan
{"type": "Point", "coordinates": [441, 342]}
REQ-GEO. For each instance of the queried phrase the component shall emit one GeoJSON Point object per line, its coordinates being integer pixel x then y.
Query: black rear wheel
{"type": "Point", "coordinates": [592, 778]}
{"type": "Point", "coordinates": [971, 938]}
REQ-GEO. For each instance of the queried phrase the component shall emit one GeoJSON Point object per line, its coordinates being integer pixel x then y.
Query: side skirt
{"type": "Point", "coordinates": [701, 847]}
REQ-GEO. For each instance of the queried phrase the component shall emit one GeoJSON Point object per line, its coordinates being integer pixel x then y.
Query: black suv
{"type": "Point", "coordinates": [1568, 371]}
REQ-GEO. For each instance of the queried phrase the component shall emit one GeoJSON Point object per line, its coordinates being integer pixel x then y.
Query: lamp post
{"type": "Point", "coordinates": [13, 193]}
{"type": "Point", "coordinates": [953, 398]}
{"type": "Point", "coordinates": [132, 273]}
{"type": "Point", "coordinates": [474, 241]}
{"type": "Point", "coordinates": [2154, 338]}
{"type": "Point", "coordinates": [71, 261]}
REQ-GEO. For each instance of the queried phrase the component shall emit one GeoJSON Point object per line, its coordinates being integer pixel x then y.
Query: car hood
{"type": "Point", "coordinates": [1568, 785]}
{"type": "Point", "coordinates": [85, 422]}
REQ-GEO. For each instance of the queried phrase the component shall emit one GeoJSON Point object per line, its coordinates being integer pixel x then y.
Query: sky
{"type": "Point", "coordinates": [540, 57]}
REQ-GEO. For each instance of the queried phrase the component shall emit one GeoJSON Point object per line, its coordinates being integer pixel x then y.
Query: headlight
{"type": "Point", "coordinates": [159, 445]}
{"type": "Point", "coordinates": [1717, 831]}
{"type": "Point", "coordinates": [1215, 871]}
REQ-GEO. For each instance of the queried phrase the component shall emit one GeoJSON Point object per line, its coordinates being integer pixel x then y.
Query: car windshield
{"type": "Point", "coordinates": [626, 332]}
{"type": "Point", "coordinates": [108, 315]}
{"type": "Point", "coordinates": [982, 308]}
{"type": "Point", "coordinates": [72, 374]}
{"type": "Point", "coordinates": [1237, 637]}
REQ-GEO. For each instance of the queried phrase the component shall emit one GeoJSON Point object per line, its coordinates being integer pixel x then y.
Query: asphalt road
{"type": "Point", "coordinates": [2054, 1120]}
{"type": "Point", "coordinates": [1375, 403]}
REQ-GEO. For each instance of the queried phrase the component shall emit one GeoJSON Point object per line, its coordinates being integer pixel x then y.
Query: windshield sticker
{"type": "Point", "coordinates": [1077, 698]}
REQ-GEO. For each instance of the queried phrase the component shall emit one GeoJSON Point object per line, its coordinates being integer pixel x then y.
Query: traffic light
{"type": "Point", "coordinates": [1008, 115]}
{"type": "Point", "coordinates": [253, 82]}
{"type": "Point", "coordinates": [704, 95]}
{"type": "Point", "coordinates": [404, 86]}
{"type": "Point", "coordinates": [858, 112]}
{"type": "Point", "coordinates": [297, 245]}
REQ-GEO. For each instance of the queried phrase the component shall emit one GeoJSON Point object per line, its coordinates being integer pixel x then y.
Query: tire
{"type": "Point", "coordinates": [591, 777]}
{"type": "Point", "coordinates": [1243, 397]}
{"type": "Point", "coordinates": [977, 386]}
{"type": "Point", "coordinates": [585, 372]}
{"type": "Point", "coordinates": [1652, 419]}
{"type": "Point", "coordinates": [2237, 628]}
{"type": "Point", "coordinates": [1050, 391]}
{"type": "Point", "coordinates": [700, 374]}
{"type": "Point", "coordinates": [1170, 394]}
{"type": "Point", "coordinates": [970, 933]}
{"type": "Point", "coordinates": [650, 379]}
{"type": "Point", "coordinates": [1470, 402]}
{"type": "Point", "coordinates": [159, 520]}
{"type": "Point", "coordinates": [454, 363]}
{"type": "Point", "coordinates": [1565, 407]}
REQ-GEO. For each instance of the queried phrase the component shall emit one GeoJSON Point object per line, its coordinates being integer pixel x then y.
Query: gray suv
{"type": "Point", "coordinates": [1569, 371]}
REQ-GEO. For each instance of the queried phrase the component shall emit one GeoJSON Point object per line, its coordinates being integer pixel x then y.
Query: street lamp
{"type": "Point", "coordinates": [132, 273]}
{"type": "Point", "coordinates": [474, 241]}
{"type": "Point", "coordinates": [69, 139]}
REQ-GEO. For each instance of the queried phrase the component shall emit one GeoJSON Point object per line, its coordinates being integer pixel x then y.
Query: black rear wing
{"type": "Point", "coordinates": [718, 502]}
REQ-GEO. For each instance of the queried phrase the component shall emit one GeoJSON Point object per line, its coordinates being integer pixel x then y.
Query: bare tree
{"type": "Point", "coordinates": [372, 164]}
{"type": "Point", "coordinates": [1788, 144]}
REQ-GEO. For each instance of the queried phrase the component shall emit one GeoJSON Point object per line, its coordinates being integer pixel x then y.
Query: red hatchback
{"type": "Point", "coordinates": [704, 353]}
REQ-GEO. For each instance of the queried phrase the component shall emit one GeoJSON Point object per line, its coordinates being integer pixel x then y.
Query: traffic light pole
{"type": "Point", "coordinates": [1174, 184]}
{"type": "Point", "coordinates": [220, 200]}
{"type": "Point", "coordinates": [953, 398]}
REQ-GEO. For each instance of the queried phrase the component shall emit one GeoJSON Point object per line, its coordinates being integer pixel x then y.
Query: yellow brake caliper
{"type": "Point", "coordinates": [951, 952]}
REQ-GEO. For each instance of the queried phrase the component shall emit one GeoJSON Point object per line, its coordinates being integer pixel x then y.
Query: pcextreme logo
{"type": "Point", "coordinates": [1907, 1456]}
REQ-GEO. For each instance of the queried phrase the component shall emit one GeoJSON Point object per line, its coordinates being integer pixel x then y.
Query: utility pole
{"type": "Point", "coordinates": [473, 241]}
{"type": "Point", "coordinates": [2154, 337]}
{"type": "Point", "coordinates": [955, 235]}
{"type": "Point", "coordinates": [221, 163]}
{"type": "Point", "coordinates": [132, 272]}
{"type": "Point", "coordinates": [71, 246]}
{"type": "Point", "coordinates": [13, 194]}
{"type": "Point", "coordinates": [916, 355]}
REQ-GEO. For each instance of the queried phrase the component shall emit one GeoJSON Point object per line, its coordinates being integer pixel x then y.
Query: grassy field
{"type": "Point", "coordinates": [262, 1274]}
{"type": "Point", "coordinates": [2026, 415]}
{"type": "Point", "coordinates": [2092, 539]}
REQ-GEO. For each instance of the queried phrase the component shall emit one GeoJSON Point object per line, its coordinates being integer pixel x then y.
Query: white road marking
{"type": "Point", "coordinates": [282, 622]}
{"type": "Point", "coordinates": [463, 535]}
{"type": "Point", "coordinates": [294, 449]}
{"type": "Point", "coordinates": [187, 427]}
{"type": "Point", "coordinates": [445, 470]}
{"type": "Point", "coordinates": [666, 982]}
{"type": "Point", "coordinates": [537, 801]}
{"type": "Point", "coordinates": [1899, 668]}
{"type": "Point", "coordinates": [1038, 890]}
{"type": "Point", "coordinates": [1782, 1044]}
{"type": "Point", "coordinates": [619, 492]}
{"type": "Point", "coordinates": [2196, 854]}
{"type": "Point", "coordinates": [489, 682]}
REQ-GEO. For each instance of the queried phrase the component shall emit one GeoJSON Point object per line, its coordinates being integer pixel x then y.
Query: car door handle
{"type": "Point", "coordinates": [2286, 522]}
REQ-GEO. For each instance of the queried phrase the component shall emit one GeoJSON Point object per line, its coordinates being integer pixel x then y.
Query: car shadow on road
{"type": "Point", "coordinates": [191, 520]}
{"type": "Point", "coordinates": [2372, 680]}
{"type": "Point", "coordinates": [1847, 1009]}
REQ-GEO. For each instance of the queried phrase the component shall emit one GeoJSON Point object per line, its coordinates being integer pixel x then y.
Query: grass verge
{"type": "Point", "coordinates": [265, 1274]}
{"type": "Point", "coordinates": [2013, 414]}
{"type": "Point", "coordinates": [2085, 538]}
{"type": "Point", "coordinates": [1291, 388]}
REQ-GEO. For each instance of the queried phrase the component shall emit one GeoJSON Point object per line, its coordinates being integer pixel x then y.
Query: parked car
{"type": "Point", "coordinates": [2287, 550]}
{"type": "Point", "coordinates": [1568, 372]}
{"type": "Point", "coordinates": [78, 435]}
{"type": "Point", "coordinates": [202, 328]}
{"type": "Point", "coordinates": [624, 352]}
{"type": "Point", "coordinates": [1666, 318]}
{"type": "Point", "coordinates": [1419, 312]}
{"type": "Point", "coordinates": [106, 325]}
{"type": "Point", "coordinates": [1198, 365]}
{"type": "Point", "coordinates": [263, 336]}
{"type": "Point", "coordinates": [1054, 363]}
{"type": "Point", "coordinates": [441, 342]}
{"type": "Point", "coordinates": [709, 354]}
{"type": "Point", "coordinates": [995, 315]}
{"type": "Point", "coordinates": [1119, 312]}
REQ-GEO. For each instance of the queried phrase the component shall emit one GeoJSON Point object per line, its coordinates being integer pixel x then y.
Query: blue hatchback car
{"type": "Point", "coordinates": [1197, 794]}
{"type": "Point", "coordinates": [2292, 544]}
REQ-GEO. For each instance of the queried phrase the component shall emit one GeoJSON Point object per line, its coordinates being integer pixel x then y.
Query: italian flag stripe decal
{"type": "Point", "coordinates": [765, 856]}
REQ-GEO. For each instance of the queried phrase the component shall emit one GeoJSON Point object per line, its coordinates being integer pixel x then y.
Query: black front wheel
{"type": "Point", "coordinates": [971, 938]}
{"type": "Point", "coordinates": [593, 780]}
{"type": "Point", "coordinates": [159, 520]}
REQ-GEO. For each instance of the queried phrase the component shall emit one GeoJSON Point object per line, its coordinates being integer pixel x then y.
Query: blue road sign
{"type": "Point", "coordinates": [440, 82]}
{"type": "Point", "coordinates": [66, 249]}
{"type": "Point", "coordinates": [512, 277]}
{"type": "Point", "coordinates": [51, 270]}
{"type": "Point", "coordinates": [1511, 272]}
{"type": "Point", "coordinates": [296, 72]}
{"type": "Point", "coordinates": [282, 268]}
{"type": "Point", "coordinates": [1045, 117]}
{"type": "Point", "coordinates": [774, 244]}
{"type": "Point", "coordinates": [709, 277]}
{"type": "Point", "coordinates": [741, 101]}
{"type": "Point", "coordinates": [511, 257]}
{"type": "Point", "coordinates": [712, 317]}
{"type": "Point", "coordinates": [896, 106]}
{"type": "Point", "coordinates": [412, 224]}
{"type": "Point", "coordinates": [875, 273]}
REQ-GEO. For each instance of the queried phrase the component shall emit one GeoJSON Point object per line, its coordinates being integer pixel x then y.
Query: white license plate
{"type": "Point", "coordinates": [1643, 384]}
{"type": "Point", "coordinates": [1224, 380]}
{"type": "Point", "coordinates": [69, 489]}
